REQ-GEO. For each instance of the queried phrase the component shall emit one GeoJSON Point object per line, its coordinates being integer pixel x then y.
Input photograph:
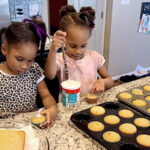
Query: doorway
{"type": "Point", "coordinates": [54, 16]}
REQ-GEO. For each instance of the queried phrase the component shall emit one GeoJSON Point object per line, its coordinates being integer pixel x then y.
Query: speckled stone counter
{"type": "Point", "coordinates": [62, 136]}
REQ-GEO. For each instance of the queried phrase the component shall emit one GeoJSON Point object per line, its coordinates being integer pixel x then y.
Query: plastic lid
{"type": "Point", "coordinates": [71, 84]}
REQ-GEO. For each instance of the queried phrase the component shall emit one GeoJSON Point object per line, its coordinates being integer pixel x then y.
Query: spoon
{"type": "Point", "coordinates": [39, 113]}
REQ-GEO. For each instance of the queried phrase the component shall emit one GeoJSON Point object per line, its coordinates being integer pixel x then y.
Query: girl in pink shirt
{"type": "Point", "coordinates": [82, 64]}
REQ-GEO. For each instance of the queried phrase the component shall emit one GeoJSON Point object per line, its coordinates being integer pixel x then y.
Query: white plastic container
{"type": "Point", "coordinates": [70, 93]}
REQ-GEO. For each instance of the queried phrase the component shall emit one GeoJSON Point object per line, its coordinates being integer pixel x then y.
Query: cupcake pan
{"type": "Point", "coordinates": [142, 97]}
{"type": "Point", "coordinates": [81, 119]}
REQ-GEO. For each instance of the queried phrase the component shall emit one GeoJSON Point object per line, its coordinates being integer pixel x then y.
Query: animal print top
{"type": "Point", "coordinates": [18, 92]}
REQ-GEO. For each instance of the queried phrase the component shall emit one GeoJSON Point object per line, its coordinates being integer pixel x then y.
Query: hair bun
{"type": "Point", "coordinates": [88, 11]}
{"type": "Point", "coordinates": [66, 10]}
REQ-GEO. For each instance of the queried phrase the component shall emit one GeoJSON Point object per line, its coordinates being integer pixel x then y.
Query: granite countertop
{"type": "Point", "coordinates": [63, 136]}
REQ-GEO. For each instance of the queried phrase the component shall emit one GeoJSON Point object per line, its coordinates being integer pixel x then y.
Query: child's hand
{"type": "Point", "coordinates": [51, 114]}
{"type": "Point", "coordinates": [58, 40]}
{"type": "Point", "coordinates": [99, 86]}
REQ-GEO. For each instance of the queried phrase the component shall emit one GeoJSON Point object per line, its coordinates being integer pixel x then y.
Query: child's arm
{"type": "Point", "coordinates": [1, 113]}
{"type": "Point", "coordinates": [104, 83]}
{"type": "Point", "coordinates": [49, 102]}
{"type": "Point", "coordinates": [51, 67]}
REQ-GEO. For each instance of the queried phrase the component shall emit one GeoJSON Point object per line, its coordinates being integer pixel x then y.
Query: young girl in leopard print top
{"type": "Point", "coordinates": [20, 76]}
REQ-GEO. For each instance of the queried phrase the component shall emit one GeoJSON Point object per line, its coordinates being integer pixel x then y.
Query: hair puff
{"type": "Point", "coordinates": [66, 10]}
{"type": "Point", "coordinates": [88, 11]}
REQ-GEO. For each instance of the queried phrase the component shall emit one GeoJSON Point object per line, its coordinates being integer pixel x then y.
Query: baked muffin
{"type": "Point", "coordinates": [91, 98]}
{"type": "Point", "coordinates": [142, 122]}
{"type": "Point", "coordinates": [139, 102]}
{"type": "Point", "coordinates": [97, 110]}
{"type": "Point", "coordinates": [146, 87]}
{"type": "Point", "coordinates": [127, 128]}
{"type": "Point", "coordinates": [125, 95]}
{"type": "Point", "coordinates": [112, 119]}
{"type": "Point", "coordinates": [137, 91]}
{"type": "Point", "coordinates": [125, 113]}
{"type": "Point", "coordinates": [38, 120]}
{"type": "Point", "coordinates": [95, 126]}
{"type": "Point", "coordinates": [147, 98]}
{"type": "Point", "coordinates": [143, 140]}
{"type": "Point", "coordinates": [148, 109]}
{"type": "Point", "coordinates": [111, 136]}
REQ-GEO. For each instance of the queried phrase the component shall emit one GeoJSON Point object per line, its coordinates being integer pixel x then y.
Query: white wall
{"type": "Point", "coordinates": [45, 13]}
{"type": "Point", "coordinates": [4, 14]}
{"type": "Point", "coordinates": [127, 47]}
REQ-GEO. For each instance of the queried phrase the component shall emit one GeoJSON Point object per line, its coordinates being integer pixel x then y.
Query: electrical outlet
{"type": "Point", "coordinates": [19, 11]}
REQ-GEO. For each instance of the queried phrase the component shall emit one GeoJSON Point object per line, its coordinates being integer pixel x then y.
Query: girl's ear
{"type": "Point", "coordinates": [3, 49]}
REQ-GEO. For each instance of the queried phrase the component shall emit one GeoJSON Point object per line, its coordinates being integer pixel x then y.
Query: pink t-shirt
{"type": "Point", "coordinates": [83, 70]}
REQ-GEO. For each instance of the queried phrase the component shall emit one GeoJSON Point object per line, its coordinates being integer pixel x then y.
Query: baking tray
{"type": "Point", "coordinates": [128, 102]}
{"type": "Point", "coordinates": [81, 119]}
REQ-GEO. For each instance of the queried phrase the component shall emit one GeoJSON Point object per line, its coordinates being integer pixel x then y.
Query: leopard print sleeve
{"type": "Point", "coordinates": [38, 72]}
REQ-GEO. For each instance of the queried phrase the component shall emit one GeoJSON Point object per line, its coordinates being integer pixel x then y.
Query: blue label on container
{"type": "Point", "coordinates": [72, 98]}
{"type": "Point", "coordinates": [64, 98]}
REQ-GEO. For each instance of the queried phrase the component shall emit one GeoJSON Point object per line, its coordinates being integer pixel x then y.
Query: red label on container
{"type": "Point", "coordinates": [71, 91]}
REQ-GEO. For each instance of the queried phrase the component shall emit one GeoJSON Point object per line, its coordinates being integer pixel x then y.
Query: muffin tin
{"type": "Point", "coordinates": [142, 109]}
{"type": "Point", "coordinates": [81, 119]}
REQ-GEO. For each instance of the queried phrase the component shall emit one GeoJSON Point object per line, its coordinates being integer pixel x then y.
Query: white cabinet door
{"type": "Point", "coordinates": [4, 14]}
{"type": "Point", "coordinates": [97, 37]}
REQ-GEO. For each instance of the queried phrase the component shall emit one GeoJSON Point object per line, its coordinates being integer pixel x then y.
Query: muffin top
{"type": "Point", "coordinates": [125, 113]}
{"type": "Point", "coordinates": [127, 128]}
{"type": "Point", "coordinates": [142, 122]}
{"type": "Point", "coordinates": [95, 126]}
{"type": "Point", "coordinates": [143, 140]}
{"type": "Point", "coordinates": [125, 95]}
{"type": "Point", "coordinates": [146, 87]}
{"type": "Point", "coordinates": [139, 102]}
{"type": "Point", "coordinates": [38, 120]}
{"type": "Point", "coordinates": [112, 119]}
{"type": "Point", "coordinates": [111, 136]}
{"type": "Point", "coordinates": [148, 110]}
{"type": "Point", "coordinates": [137, 91]}
{"type": "Point", "coordinates": [147, 98]}
{"type": "Point", "coordinates": [97, 110]}
{"type": "Point", "coordinates": [91, 96]}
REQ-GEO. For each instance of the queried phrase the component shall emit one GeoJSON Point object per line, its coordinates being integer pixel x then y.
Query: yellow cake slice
{"type": "Point", "coordinates": [12, 140]}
